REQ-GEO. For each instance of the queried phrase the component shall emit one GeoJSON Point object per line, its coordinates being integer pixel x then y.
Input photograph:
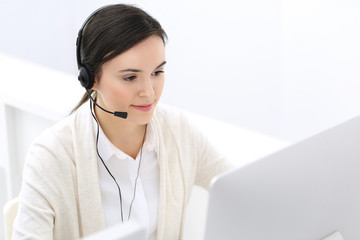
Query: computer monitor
{"type": "Point", "coordinates": [307, 191]}
{"type": "Point", "coordinates": [126, 231]}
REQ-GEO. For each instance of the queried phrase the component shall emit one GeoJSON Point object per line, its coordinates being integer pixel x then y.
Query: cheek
{"type": "Point", "coordinates": [158, 87]}
{"type": "Point", "coordinates": [120, 94]}
{"type": "Point", "coordinates": [116, 94]}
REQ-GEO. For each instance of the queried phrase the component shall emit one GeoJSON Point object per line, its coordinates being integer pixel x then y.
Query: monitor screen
{"type": "Point", "coordinates": [310, 190]}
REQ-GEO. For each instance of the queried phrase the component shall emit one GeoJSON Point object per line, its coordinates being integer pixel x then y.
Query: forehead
{"type": "Point", "coordinates": [147, 54]}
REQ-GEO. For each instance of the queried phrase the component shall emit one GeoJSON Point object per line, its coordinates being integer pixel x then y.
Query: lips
{"type": "Point", "coordinates": [144, 105]}
{"type": "Point", "coordinates": [144, 108]}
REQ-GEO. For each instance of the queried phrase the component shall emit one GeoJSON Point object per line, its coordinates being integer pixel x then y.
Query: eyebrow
{"type": "Point", "coordinates": [137, 70]}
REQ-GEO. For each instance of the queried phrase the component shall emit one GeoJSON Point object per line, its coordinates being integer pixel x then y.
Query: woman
{"type": "Point", "coordinates": [118, 156]}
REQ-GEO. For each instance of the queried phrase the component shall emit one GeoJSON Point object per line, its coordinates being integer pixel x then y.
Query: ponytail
{"type": "Point", "coordinates": [83, 100]}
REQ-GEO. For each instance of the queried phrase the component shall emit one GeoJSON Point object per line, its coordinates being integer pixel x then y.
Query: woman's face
{"type": "Point", "coordinates": [133, 81]}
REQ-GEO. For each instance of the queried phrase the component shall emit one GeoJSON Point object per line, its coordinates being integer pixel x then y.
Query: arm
{"type": "Point", "coordinates": [35, 217]}
{"type": "Point", "coordinates": [208, 161]}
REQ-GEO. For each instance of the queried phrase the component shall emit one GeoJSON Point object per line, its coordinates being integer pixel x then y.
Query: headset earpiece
{"type": "Point", "coordinates": [86, 78]}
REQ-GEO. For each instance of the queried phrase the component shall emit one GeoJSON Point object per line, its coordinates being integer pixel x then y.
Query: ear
{"type": "Point", "coordinates": [96, 83]}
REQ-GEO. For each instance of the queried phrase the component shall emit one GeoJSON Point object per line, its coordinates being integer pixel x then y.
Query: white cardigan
{"type": "Point", "coordinates": [60, 195]}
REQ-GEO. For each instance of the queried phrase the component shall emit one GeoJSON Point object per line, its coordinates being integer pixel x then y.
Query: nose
{"type": "Point", "coordinates": [147, 88]}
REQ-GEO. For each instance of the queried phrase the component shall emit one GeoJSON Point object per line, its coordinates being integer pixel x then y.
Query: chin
{"type": "Point", "coordinates": [145, 119]}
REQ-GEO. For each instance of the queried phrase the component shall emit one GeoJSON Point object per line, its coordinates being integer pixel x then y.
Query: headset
{"type": "Point", "coordinates": [86, 76]}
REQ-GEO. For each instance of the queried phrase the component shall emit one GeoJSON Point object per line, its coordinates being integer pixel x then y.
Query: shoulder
{"type": "Point", "coordinates": [173, 123]}
{"type": "Point", "coordinates": [61, 134]}
{"type": "Point", "coordinates": [52, 137]}
{"type": "Point", "coordinates": [171, 116]}
{"type": "Point", "coordinates": [56, 144]}
{"type": "Point", "coordinates": [45, 150]}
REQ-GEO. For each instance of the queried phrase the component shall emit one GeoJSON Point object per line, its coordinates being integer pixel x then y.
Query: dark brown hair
{"type": "Point", "coordinates": [112, 31]}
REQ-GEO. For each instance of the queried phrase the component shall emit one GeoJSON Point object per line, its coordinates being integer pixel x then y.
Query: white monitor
{"type": "Point", "coordinates": [308, 191]}
{"type": "Point", "coordinates": [126, 231]}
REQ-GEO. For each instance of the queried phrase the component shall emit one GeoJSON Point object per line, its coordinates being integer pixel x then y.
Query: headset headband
{"type": "Point", "coordinates": [85, 76]}
{"type": "Point", "coordinates": [79, 37]}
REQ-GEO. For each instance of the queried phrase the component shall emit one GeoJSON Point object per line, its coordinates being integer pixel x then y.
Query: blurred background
{"type": "Point", "coordinates": [286, 69]}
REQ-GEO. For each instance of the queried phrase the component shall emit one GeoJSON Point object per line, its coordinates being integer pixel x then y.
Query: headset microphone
{"type": "Point", "coordinates": [117, 114]}
{"type": "Point", "coordinates": [86, 77]}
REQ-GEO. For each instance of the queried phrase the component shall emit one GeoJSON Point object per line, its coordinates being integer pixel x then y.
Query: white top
{"type": "Point", "coordinates": [124, 168]}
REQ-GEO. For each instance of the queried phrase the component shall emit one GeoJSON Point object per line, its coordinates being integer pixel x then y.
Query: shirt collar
{"type": "Point", "coordinates": [149, 144]}
{"type": "Point", "coordinates": [107, 150]}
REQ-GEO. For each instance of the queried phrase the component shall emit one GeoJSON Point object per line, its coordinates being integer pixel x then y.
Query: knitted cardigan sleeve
{"type": "Point", "coordinates": [210, 162]}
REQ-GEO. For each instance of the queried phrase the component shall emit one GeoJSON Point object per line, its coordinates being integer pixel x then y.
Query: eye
{"type": "Point", "coordinates": [157, 73]}
{"type": "Point", "coordinates": [128, 79]}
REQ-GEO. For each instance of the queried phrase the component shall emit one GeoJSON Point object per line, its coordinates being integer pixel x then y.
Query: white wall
{"type": "Point", "coordinates": [321, 62]}
{"type": "Point", "coordinates": [285, 68]}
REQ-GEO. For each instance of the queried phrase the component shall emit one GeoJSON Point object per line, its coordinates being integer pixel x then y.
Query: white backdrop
{"type": "Point", "coordinates": [284, 68]}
